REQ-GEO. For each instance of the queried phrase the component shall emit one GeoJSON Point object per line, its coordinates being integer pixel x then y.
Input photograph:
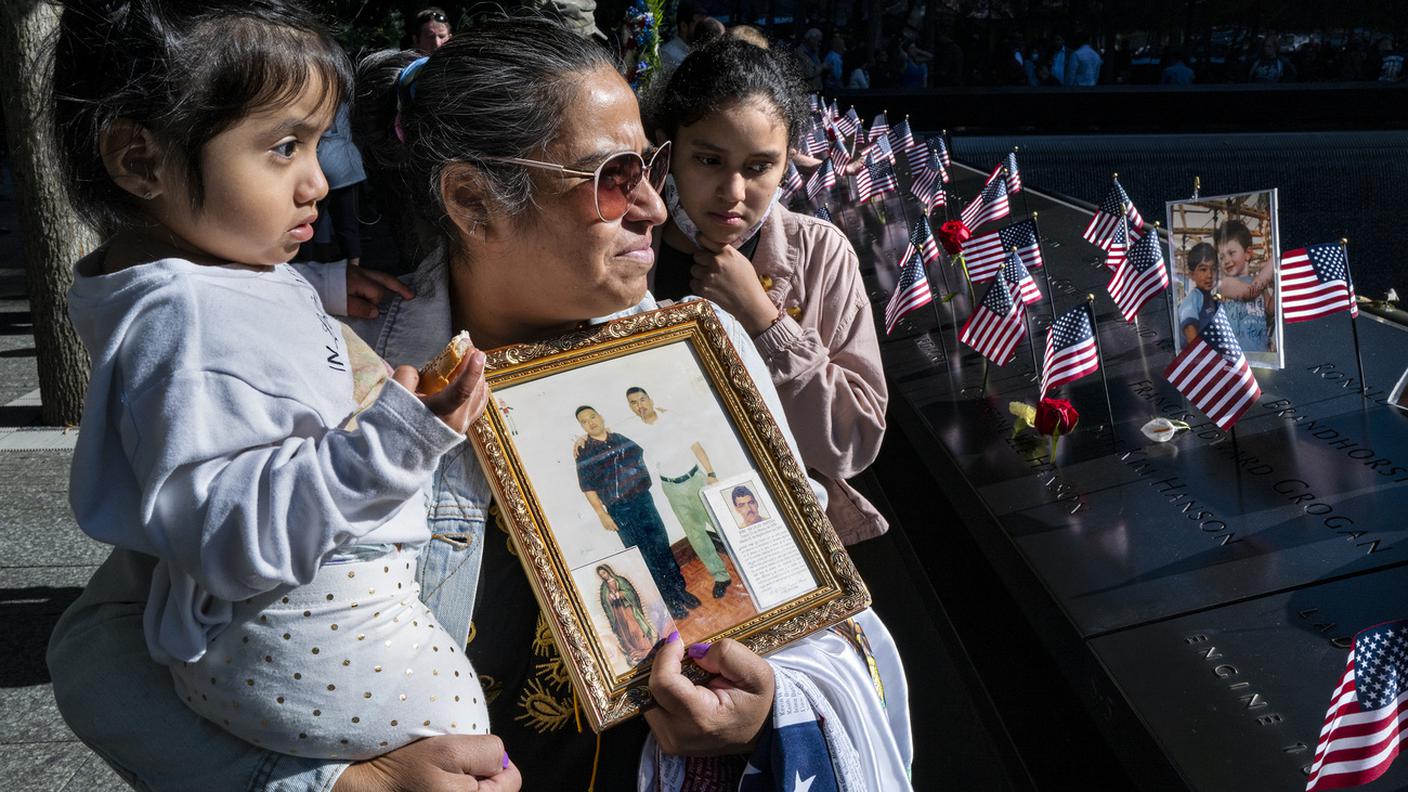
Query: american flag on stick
{"type": "Point", "coordinates": [881, 176]}
{"type": "Point", "coordinates": [940, 150]}
{"type": "Point", "coordinates": [815, 142]}
{"type": "Point", "coordinates": [849, 124]}
{"type": "Point", "coordinates": [924, 174]}
{"type": "Point", "coordinates": [879, 126]}
{"type": "Point", "coordinates": [1014, 176]}
{"type": "Point", "coordinates": [910, 293]}
{"type": "Point", "coordinates": [1140, 276]}
{"type": "Point", "coordinates": [823, 179]}
{"type": "Point", "coordinates": [839, 157]}
{"type": "Point", "coordinates": [1019, 279]}
{"type": "Point", "coordinates": [996, 325]}
{"type": "Point", "coordinates": [1365, 723]}
{"type": "Point", "coordinates": [1114, 206]}
{"type": "Point", "coordinates": [1212, 373]}
{"type": "Point", "coordinates": [901, 137]}
{"type": "Point", "coordinates": [1315, 282]}
{"type": "Point", "coordinates": [991, 204]}
{"type": "Point", "coordinates": [921, 240]}
{"type": "Point", "coordinates": [823, 213]}
{"type": "Point", "coordinates": [791, 182]}
{"type": "Point", "coordinates": [1117, 247]}
{"type": "Point", "coordinates": [985, 254]}
{"type": "Point", "coordinates": [1071, 352]}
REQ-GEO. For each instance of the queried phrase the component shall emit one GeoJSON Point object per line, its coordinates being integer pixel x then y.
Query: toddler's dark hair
{"type": "Point", "coordinates": [1236, 231]}
{"type": "Point", "coordinates": [722, 73]}
{"type": "Point", "coordinates": [185, 72]}
{"type": "Point", "coordinates": [1199, 253]}
{"type": "Point", "coordinates": [502, 90]}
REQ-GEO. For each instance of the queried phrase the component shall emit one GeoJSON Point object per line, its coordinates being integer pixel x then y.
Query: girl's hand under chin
{"type": "Point", "coordinates": [723, 275]}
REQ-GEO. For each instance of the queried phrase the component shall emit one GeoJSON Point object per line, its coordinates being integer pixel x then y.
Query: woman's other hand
{"type": "Point", "coordinates": [453, 763]}
{"type": "Point", "coordinates": [723, 275]}
{"type": "Point", "coordinates": [461, 402]}
{"type": "Point", "coordinates": [366, 289]}
{"type": "Point", "coordinates": [723, 716]}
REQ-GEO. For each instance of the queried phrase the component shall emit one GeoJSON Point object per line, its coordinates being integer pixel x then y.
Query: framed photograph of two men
{"type": "Point", "coordinates": [648, 489]}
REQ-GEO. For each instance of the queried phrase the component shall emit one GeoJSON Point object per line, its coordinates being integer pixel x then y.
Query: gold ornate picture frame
{"type": "Point", "coordinates": [648, 488]}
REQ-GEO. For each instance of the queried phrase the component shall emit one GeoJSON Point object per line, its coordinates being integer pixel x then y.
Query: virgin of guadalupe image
{"type": "Point", "coordinates": [624, 610]}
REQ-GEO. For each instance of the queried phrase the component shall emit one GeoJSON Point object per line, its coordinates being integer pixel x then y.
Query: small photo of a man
{"type": "Point", "coordinates": [746, 509]}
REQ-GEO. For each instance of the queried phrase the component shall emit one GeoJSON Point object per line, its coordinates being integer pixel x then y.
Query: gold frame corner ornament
{"type": "Point", "coordinates": [840, 592]}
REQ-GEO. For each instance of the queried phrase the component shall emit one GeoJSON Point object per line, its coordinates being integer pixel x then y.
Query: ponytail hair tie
{"type": "Point", "coordinates": [406, 90]}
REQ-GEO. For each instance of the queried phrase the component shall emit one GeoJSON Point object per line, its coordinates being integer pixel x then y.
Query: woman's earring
{"type": "Point", "coordinates": [148, 195]}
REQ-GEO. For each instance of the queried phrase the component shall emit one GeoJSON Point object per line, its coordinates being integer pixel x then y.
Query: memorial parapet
{"type": "Point", "coordinates": [1201, 592]}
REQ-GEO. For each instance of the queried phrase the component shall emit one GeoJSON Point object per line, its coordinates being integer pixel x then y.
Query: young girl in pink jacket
{"type": "Point", "coordinates": [733, 111]}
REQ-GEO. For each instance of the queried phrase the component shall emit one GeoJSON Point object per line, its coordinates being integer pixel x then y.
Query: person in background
{"type": "Point", "coordinates": [706, 31]}
{"type": "Point", "coordinates": [1013, 68]}
{"type": "Point", "coordinates": [337, 233]}
{"type": "Point", "coordinates": [1270, 67]}
{"type": "Point", "coordinates": [831, 69]}
{"type": "Point", "coordinates": [859, 78]}
{"type": "Point", "coordinates": [914, 66]}
{"type": "Point", "coordinates": [1060, 57]}
{"type": "Point", "coordinates": [429, 29]}
{"type": "Point", "coordinates": [809, 59]}
{"type": "Point", "coordinates": [687, 15]}
{"type": "Point", "coordinates": [1177, 72]}
{"type": "Point", "coordinates": [1390, 61]}
{"type": "Point", "coordinates": [1083, 66]}
{"type": "Point", "coordinates": [749, 34]}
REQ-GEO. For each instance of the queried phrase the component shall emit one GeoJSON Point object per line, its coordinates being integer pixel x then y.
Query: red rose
{"type": "Point", "coordinates": [952, 235]}
{"type": "Point", "coordinates": [1055, 415]}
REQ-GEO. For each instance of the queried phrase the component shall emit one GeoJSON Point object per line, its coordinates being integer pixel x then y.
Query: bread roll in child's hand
{"type": "Point", "coordinates": [452, 385]}
{"type": "Point", "coordinates": [435, 375]}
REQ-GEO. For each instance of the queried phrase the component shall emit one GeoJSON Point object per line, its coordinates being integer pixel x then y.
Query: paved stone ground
{"type": "Point", "coordinates": [44, 559]}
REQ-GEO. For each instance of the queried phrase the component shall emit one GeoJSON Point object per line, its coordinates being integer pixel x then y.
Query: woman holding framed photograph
{"type": "Point", "coordinates": [522, 150]}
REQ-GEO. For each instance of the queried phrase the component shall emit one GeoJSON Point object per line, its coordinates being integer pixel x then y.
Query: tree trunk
{"type": "Point", "coordinates": [54, 237]}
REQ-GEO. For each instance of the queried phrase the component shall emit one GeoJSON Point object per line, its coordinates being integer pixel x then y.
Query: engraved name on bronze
{"type": "Point", "coordinates": [1339, 441]}
{"type": "Point", "coordinates": [1178, 498]}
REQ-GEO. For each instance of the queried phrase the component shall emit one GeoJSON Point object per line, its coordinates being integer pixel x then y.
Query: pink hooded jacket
{"type": "Point", "coordinates": [825, 359]}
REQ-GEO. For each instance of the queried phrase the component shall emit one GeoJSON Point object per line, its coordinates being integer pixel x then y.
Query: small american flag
{"type": "Point", "coordinates": [1117, 247]}
{"type": "Point", "coordinates": [985, 254]}
{"type": "Point", "coordinates": [849, 124]}
{"type": "Point", "coordinates": [901, 138]}
{"type": "Point", "coordinates": [912, 292]}
{"type": "Point", "coordinates": [823, 179]}
{"type": "Point", "coordinates": [839, 157]}
{"type": "Point", "coordinates": [1014, 176]}
{"type": "Point", "coordinates": [815, 142]}
{"type": "Point", "coordinates": [1115, 205]}
{"type": "Point", "coordinates": [1212, 373]}
{"type": "Point", "coordinates": [1071, 352]}
{"type": "Point", "coordinates": [996, 326]}
{"type": "Point", "coordinates": [1140, 276]}
{"type": "Point", "coordinates": [991, 204]}
{"type": "Point", "coordinates": [1016, 276]}
{"type": "Point", "coordinates": [883, 148]}
{"type": "Point", "coordinates": [1315, 282]}
{"type": "Point", "coordinates": [791, 182]}
{"type": "Point", "coordinates": [835, 110]}
{"type": "Point", "coordinates": [815, 102]}
{"type": "Point", "coordinates": [924, 173]}
{"type": "Point", "coordinates": [882, 173]}
{"type": "Point", "coordinates": [921, 239]}
{"type": "Point", "coordinates": [824, 213]}
{"type": "Point", "coordinates": [1365, 723]}
{"type": "Point", "coordinates": [940, 150]}
{"type": "Point", "coordinates": [879, 126]}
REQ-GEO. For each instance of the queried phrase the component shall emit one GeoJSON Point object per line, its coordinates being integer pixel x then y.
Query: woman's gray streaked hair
{"type": "Point", "coordinates": [500, 89]}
